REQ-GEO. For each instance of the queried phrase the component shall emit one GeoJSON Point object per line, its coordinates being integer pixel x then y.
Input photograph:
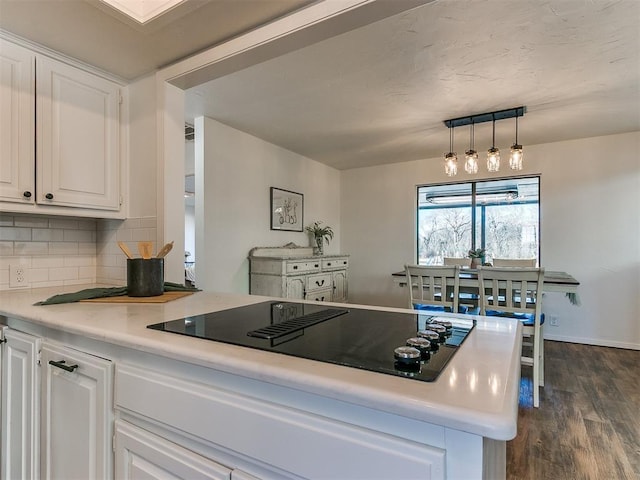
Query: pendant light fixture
{"type": "Point", "coordinates": [493, 154]}
{"type": "Point", "coordinates": [451, 158]}
{"type": "Point", "coordinates": [515, 159]}
{"type": "Point", "coordinates": [471, 156]}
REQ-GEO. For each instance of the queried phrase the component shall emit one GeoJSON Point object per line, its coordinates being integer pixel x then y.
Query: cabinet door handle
{"type": "Point", "coordinates": [295, 267]}
{"type": "Point", "coordinates": [26, 194]}
{"type": "Point", "coordinates": [62, 364]}
{"type": "Point", "coordinates": [49, 196]}
{"type": "Point", "coordinates": [316, 265]}
{"type": "Point", "coordinates": [3, 340]}
{"type": "Point", "coordinates": [320, 283]}
{"type": "Point", "coordinates": [329, 264]}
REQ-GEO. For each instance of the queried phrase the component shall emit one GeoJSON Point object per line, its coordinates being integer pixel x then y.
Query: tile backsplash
{"type": "Point", "coordinates": [65, 250]}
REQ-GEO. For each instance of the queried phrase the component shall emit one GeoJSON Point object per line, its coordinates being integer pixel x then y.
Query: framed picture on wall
{"type": "Point", "coordinates": [286, 210]}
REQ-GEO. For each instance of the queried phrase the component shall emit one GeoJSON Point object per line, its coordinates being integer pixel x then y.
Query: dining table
{"type": "Point", "coordinates": [554, 281]}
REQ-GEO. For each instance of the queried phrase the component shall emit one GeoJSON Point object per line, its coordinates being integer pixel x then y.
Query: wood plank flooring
{"type": "Point", "coordinates": [588, 423]}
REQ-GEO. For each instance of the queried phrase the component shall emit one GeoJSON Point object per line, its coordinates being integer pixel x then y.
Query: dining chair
{"type": "Point", "coordinates": [463, 262]}
{"type": "Point", "coordinates": [433, 288]}
{"type": "Point", "coordinates": [514, 262]}
{"type": "Point", "coordinates": [517, 293]}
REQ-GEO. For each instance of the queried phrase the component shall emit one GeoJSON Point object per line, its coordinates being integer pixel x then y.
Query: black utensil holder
{"type": "Point", "coordinates": [145, 277]}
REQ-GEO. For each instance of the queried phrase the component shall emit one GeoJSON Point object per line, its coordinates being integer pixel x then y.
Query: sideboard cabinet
{"type": "Point", "coordinates": [295, 273]}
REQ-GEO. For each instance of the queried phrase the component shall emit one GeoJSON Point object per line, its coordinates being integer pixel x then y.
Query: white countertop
{"type": "Point", "coordinates": [477, 392]}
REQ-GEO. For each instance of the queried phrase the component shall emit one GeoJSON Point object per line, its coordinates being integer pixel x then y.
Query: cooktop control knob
{"type": "Point", "coordinates": [407, 358]}
{"type": "Point", "coordinates": [421, 344]}
{"type": "Point", "coordinates": [445, 323]}
{"type": "Point", "coordinates": [433, 337]}
{"type": "Point", "coordinates": [439, 329]}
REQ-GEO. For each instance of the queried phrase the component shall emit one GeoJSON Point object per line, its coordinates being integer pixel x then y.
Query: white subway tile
{"type": "Point", "coordinates": [6, 249]}
{"type": "Point", "coordinates": [87, 272]}
{"type": "Point", "coordinates": [63, 248]}
{"type": "Point", "coordinates": [50, 283]}
{"type": "Point", "coordinates": [148, 222]}
{"type": "Point", "coordinates": [143, 234]}
{"type": "Point", "coordinates": [64, 273]}
{"type": "Point", "coordinates": [123, 235]}
{"type": "Point", "coordinates": [49, 261]}
{"type": "Point", "coordinates": [87, 224]}
{"type": "Point", "coordinates": [47, 235]}
{"type": "Point", "coordinates": [79, 261]}
{"type": "Point", "coordinates": [6, 220]}
{"type": "Point", "coordinates": [31, 248]}
{"type": "Point", "coordinates": [64, 223]}
{"type": "Point", "coordinates": [79, 236]}
{"type": "Point", "coordinates": [15, 233]}
{"type": "Point", "coordinates": [131, 223]}
{"type": "Point", "coordinates": [86, 248]}
{"type": "Point", "coordinates": [31, 221]}
{"type": "Point", "coordinates": [37, 275]}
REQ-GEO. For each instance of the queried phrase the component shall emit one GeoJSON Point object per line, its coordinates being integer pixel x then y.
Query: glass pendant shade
{"type": "Point", "coordinates": [471, 161]}
{"type": "Point", "coordinates": [515, 160]}
{"type": "Point", "coordinates": [451, 164]}
{"type": "Point", "coordinates": [493, 159]}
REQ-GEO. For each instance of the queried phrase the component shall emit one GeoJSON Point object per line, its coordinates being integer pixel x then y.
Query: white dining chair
{"type": "Point", "coordinates": [514, 262]}
{"type": "Point", "coordinates": [517, 293]}
{"type": "Point", "coordinates": [463, 262]}
{"type": "Point", "coordinates": [434, 288]}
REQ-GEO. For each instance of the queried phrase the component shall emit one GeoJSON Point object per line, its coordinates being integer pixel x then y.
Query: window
{"type": "Point", "coordinates": [501, 216]}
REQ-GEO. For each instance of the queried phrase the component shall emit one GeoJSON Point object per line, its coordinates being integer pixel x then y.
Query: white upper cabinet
{"type": "Point", "coordinates": [60, 132]}
{"type": "Point", "coordinates": [77, 137]}
{"type": "Point", "coordinates": [17, 123]}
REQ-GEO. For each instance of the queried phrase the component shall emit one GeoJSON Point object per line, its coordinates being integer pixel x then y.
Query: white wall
{"type": "Point", "coordinates": [233, 210]}
{"type": "Point", "coordinates": [590, 222]}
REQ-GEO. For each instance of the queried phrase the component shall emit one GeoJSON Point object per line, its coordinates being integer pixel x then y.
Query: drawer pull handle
{"type": "Point", "coordinates": [295, 267]}
{"type": "Point", "coordinates": [320, 283]}
{"type": "Point", "coordinates": [329, 264]}
{"type": "Point", "coordinates": [49, 196]}
{"type": "Point", "coordinates": [26, 194]}
{"type": "Point", "coordinates": [62, 364]}
{"type": "Point", "coordinates": [3, 340]}
{"type": "Point", "coordinates": [316, 265]}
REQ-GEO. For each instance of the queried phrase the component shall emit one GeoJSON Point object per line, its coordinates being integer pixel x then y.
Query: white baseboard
{"type": "Point", "coordinates": [592, 341]}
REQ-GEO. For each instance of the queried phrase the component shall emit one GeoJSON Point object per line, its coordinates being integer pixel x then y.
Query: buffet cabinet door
{"type": "Point", "coordinates": [76, 430]}
{"type": "Point", "coordinates": [20, 391]}
{"type": "Point", "coordinates": [141, 454]}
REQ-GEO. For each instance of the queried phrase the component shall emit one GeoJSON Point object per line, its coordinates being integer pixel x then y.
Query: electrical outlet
{"type": "Point", "coordinates": [18, 276]}
{"type": "Point", "coordinates": [553, 320]}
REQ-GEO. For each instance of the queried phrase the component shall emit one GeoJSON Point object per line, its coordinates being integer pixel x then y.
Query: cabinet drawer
{"type": "Point", "coordinates": [319, 282]}
{"type": "Point", "coordinates": [325, 295]}
{"type": "Point", "coordinates": [335, 263]}
{"type": "Point", "coordinates": [303, 266]}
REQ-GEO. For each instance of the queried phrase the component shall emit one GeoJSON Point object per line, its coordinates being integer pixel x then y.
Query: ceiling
{"type": "Point", "coordinates": [379, 94]}
{"type": "Point", "coordinates": [94, 32]}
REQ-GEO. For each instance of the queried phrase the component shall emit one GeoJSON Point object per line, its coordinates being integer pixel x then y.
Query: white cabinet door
{"type": "Point", "coordinates": [17, 123]}
{"type": "Point", "coordinates": [77, 137]}
{"type": "Point", "coordinates": [20, 413]}
{"type": "Point", "coordinates": [76, 410]}
{"type": "Point", "coordinates": [339, 279]}
{"type": "Point", "coordinates": [296, 287]}
{"type": "Point", "coordinates": [140, 454]}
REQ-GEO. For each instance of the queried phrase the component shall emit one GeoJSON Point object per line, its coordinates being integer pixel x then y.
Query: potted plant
{"type": "Point", "coordinates": [477, 257]}
{"type": "Point", "coordinates": [320, 234]}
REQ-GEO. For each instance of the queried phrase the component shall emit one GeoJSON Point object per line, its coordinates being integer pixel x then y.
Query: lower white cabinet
{"type": "Point", "coordinates": [20, 406]}
{"type": "Point", "coordinates": [57, 411]}
{"type": "Point", "coordinates": [76, 406]}
{"type": "Point", "coordinates": [141, 454]}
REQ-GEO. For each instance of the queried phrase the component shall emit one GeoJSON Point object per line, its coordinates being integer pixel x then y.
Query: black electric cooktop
{"type": "Point", "coordinates": [353, 337]}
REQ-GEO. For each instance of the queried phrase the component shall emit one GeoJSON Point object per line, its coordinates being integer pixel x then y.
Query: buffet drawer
{"type": "Point", "coordinates": [335, 263]}
{"type": "Point", "coordinates": [303, 266]}
{"type": "Point", "coordinates": [319, 282]}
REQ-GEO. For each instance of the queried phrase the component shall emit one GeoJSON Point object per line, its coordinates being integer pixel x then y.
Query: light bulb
{"type": "Point", "coordinates": [515, 160]}
{"type": "Point", "coordinates": [471, 163]}
{"type": "Point", "coordinates": [493, 159]}
{"type": "Point", "coordinates": [451, 164]}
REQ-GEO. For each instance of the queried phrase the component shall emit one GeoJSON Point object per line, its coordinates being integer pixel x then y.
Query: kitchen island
{"type": "Point", "coordinates": [233, 412]}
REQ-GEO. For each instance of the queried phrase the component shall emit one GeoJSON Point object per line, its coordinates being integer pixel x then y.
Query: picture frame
{"type": "Point", "coordinates": [287, 209]}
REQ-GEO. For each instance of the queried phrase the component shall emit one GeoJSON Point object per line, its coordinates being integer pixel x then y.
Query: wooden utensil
{"type": "Point", "coordinates": [125, 249]}
{"type": "Point", "coordinates": [145, 249]}
{"type": "Point", "coordinates": [166, 249]}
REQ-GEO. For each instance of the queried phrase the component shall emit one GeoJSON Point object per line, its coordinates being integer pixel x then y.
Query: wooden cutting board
{"type": "Point", "coordinates": [164, 298]}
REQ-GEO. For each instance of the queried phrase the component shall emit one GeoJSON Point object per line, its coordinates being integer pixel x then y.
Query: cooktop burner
{"type": "Point", "coordinates": [353, 337]}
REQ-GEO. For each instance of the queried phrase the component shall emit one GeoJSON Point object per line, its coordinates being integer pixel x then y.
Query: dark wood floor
{"type": "Point", "coordinates": [588, 423]}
